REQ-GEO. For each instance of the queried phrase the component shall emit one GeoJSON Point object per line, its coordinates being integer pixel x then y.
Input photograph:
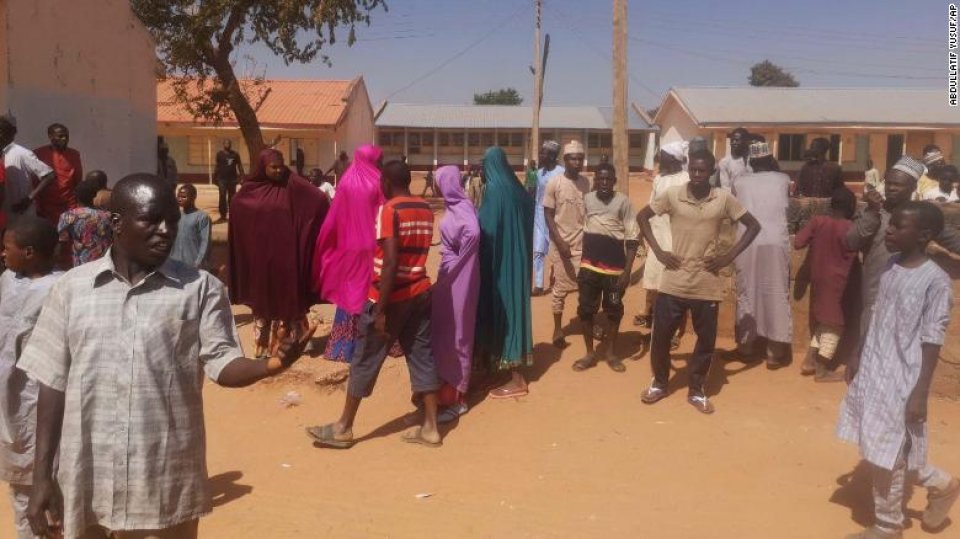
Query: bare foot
{"type": "Point", "coordinates": [559, 339]}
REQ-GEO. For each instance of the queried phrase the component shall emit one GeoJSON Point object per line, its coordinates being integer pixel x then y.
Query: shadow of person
{"type": "Point", "coordinates": [721, 371]}
{"type": "Point", "coordinates": [718, 376]}
{"type": "Point", "coordinates": [545, 355]}
{"type": "Point", "coordinates": [225, 489]}
{"type": "Point", "coordinates": [632, 344]}
{"type": "Point", "coordinates": [855, 491]}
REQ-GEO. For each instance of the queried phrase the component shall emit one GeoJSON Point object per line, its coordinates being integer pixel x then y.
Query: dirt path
{"type": "Point", "coordinates": [579, 457]}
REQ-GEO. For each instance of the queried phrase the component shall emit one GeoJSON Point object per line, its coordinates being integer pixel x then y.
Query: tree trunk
{"type": "Point", "coordinates": [242, 111]}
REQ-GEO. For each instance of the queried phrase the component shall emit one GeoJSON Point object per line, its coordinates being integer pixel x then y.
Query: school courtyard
{"type": "Point", "coordinates": [580, 457]}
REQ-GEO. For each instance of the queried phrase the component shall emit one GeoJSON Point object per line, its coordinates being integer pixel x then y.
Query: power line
{"type": "Point", "coordinates": [497, 29]}
{"type": "Point", "coordinates": [602, 54]}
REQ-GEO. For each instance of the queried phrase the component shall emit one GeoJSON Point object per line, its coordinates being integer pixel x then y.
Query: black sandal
{"type": "Point", "coordinates": [584, 363]}
{"type": "Point", "coordinates": [616, 365]}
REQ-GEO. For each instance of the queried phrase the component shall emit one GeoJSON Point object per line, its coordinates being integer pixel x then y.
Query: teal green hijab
{"type": "Point", "coordinates": [504, 331]}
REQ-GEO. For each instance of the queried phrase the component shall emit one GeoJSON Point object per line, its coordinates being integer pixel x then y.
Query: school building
{"type": "Point", "coordinates": [89, 65]}
{"type": "Point", "coordinates": [319, 117]}
{"type": "Point", "coordinates": [431, 135]}
{"type": "Point", "coordinates": [881, 124]}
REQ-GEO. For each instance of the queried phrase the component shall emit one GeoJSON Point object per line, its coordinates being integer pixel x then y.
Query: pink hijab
{"type": "Point", "coordinates": [343, 258]}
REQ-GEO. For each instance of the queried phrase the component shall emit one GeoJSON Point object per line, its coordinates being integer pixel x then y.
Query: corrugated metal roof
{"type": "Point", "coordinates": [288, 103]}
{"type": "Point", "coordinates": [424, 116]}
{"type": "Point", "coordinates": [854, 106]}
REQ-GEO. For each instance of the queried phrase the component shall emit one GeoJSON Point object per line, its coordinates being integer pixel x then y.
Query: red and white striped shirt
{"type": "Point", "coordinates": [410, 220]}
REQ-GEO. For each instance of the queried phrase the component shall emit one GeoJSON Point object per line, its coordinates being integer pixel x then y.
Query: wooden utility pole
{"type": "Point", "coordinates": [537, 84]}
{"type": "Point", "coordinates": [621, 140]}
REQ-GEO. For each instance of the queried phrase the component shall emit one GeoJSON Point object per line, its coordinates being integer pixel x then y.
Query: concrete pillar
{"type": "Point", "coordinates": [650, 150]}
{"type": "Point", "coordinates": [435, 149]}
{"type": "Point", "coordinates": [210, 160]}
{"type": "Point", "coordinates": [466, 148]}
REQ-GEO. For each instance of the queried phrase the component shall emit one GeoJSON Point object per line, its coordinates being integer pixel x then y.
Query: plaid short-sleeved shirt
{"type": "Point", "coordinates": [129, 359]}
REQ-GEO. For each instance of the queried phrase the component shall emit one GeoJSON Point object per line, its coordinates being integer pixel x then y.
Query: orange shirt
{"type": "Point", "coordinates": [59, 196]}
{"type": "Point", "coordinates": [410, 221]}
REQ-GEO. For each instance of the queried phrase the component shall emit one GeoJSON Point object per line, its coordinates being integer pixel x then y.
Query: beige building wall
{"type": "Point", "coordinates": [89, 65]}
{"type": "Point", "coordinates": [676, 124]}
{"type": "Point", "coordinates": [357, 128]}
{"type": "Point", "coordinates": [195, 148]}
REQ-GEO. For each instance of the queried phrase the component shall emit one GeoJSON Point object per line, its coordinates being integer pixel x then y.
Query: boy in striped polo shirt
{"type": "Point", "coordinates": [610, 240]}
{"type": "Point", "coordinates": [398, 309]}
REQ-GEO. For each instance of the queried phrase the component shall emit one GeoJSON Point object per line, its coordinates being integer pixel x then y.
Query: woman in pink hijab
{"type": "Point", "coordinates": [343, 258]}
{"type": "Point", "coordinates": [455, 294]}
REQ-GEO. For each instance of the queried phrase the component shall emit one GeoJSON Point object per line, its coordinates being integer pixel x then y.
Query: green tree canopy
{"type": "Point", "coordinates": [767, 73]}
{"type": "Point", "coordinates": [503, 96]}
{"type": "Point", "coordinates": [196, 41]}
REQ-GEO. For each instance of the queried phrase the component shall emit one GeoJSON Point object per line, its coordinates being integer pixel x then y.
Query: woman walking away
{"type": "Point", "coordinates": [504, 338]}
{"type": "Point", "coordinates": [275, 220]}
{"type": "Point", "coordinates": [343, 258]}
{"type": "Point", "coordinates": [455, 294]}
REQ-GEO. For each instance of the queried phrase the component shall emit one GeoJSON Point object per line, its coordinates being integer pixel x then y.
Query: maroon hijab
{"type": "Point", "coordinates": [273, 228]}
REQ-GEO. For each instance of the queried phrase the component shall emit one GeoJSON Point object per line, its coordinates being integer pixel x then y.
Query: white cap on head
{"type": "Point", "coordinates": [677, 150]}
{"type": "Point", "coordinates": [932, 157]}
{"type": "Point", "coordinates": [759, 149]}
{"type": "Point", "coordinates": [910, 166]}
{"type": "Point", "coordinates": [573, 147]}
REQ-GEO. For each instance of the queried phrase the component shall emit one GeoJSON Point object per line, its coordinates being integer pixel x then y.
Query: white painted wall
{"type": "Point", "coordinates": [88, 64]}
{"type": "Point", "coordinates": [675, 124]}
{"type": "Point", "coordinates": [357, 128]}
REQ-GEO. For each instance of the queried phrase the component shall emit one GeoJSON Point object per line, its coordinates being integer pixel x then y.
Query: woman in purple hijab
{"type": "Point", "coordinates": [455, 293]}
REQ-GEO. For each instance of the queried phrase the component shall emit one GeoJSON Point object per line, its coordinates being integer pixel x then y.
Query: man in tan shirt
{"type": "Point", "coordinates": [691, 280]}
{"type": "Point", "coordinates": [565, 214]}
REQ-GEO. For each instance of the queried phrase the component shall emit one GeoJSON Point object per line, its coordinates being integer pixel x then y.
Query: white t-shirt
{"type": "Point", "coordinates": [933, 194]}
{"type": "Point", "coordinates": [328, 189]}
{"type": "Point", "coordinates": [22, 166]}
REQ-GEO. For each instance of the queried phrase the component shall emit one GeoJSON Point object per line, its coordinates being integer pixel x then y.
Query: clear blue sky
{"type": "Point", "coordinates": [442, 51]}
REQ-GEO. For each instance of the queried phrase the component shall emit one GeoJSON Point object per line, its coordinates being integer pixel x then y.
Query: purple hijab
{"type": "Point", "coordinates": [458, 283]}
{"type": "Point", "coordinates": [343, 258]}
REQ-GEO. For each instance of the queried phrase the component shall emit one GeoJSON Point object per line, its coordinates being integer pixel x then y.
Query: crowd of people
{"type": "Point", "coordinates": [130, 315]}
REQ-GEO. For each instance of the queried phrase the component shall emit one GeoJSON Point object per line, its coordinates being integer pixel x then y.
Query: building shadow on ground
{"type": "Point", "coordinates": [225, 489]}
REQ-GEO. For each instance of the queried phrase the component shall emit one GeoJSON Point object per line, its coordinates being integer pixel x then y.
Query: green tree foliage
{"type": "Point", "coordinates": [767, 73]}
{"type": "Point", "coordinates": [196, 41]}
{"type": "Point", "coordinates": [503, 96]}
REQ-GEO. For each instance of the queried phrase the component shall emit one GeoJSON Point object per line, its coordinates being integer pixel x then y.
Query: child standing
{"type": "Point", "coordinates": [610, 240]}
{"type": "Point", "coordinates": [28, 252]}
{"type": "Point", "coordinates": [885, 409]}
{"type": "Point", "coordinates": [830, 264]}
{"type": "Point", "coordinates": [193, 235]}
{"type": "Point", "coordinates": [85, 228]}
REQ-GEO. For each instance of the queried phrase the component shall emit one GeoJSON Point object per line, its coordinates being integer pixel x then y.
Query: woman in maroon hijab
{"type": "Point", "coordinates": [274, 223]}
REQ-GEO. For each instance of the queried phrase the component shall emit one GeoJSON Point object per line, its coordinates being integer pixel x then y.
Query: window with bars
{"type": "Point", "coordinates": [790, 147]}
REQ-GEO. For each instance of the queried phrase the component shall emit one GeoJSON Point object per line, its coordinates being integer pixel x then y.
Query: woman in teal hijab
{"type": "Point", "coordinates": [504, 339]}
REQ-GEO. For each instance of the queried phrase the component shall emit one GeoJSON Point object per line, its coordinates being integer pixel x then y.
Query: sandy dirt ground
{"type": "Point", "coordinates": [581, 456]}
